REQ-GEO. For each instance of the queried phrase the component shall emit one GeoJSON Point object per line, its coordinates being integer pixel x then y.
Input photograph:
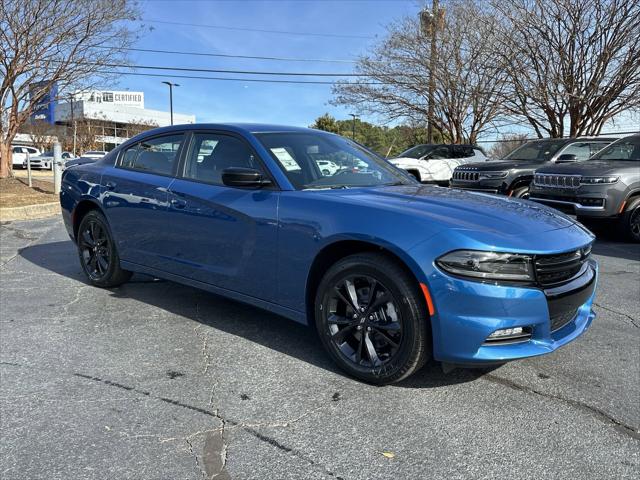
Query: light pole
{"type": "Point", "coordinates": [429, 23]}
{"type": "Point", "coordinates": [171, 85]}
{"type": "Point", "coordinates": [353, 125]}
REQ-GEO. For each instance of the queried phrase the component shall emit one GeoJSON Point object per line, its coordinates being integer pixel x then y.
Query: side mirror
{"type": "Point", "coordinates": [567, 157]}
{"type": "Point", "coordinates": [244, 177]}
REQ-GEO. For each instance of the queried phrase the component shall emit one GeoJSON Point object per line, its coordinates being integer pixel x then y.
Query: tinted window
{"type": "Point", "coordinates": [582, 150]}
{"type": "Point", "coordinates": [418, 151]}
{"type": "Point", "coordinates": [211, 153]}
{"type": "Point", "coordinates": [298, 154]}
{"type": "Point", "coordinates": [441, 152]}
{"type": "Point", "coordinates": [540, 150]}
{"type": "Point", "coordinates": [157, 155]}
{"type": "Point", "coordinates": [624, 149]}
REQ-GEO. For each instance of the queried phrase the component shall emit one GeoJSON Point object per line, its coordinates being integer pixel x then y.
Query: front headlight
{"type": "Point", "coordinates": [598, 180]}
{"type": "Point", "coordinates": [488, 265]}
{"type": "Point", "coordinates": [491, 175]}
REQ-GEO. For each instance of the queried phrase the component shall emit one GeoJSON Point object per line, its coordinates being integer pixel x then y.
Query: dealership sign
{"type": "Point", "coordinates": [44, 108]}
{"type": "Point", "coordinates": [124, 97]}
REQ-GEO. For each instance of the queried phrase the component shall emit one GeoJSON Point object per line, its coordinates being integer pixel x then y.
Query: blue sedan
{"type": "Point", "coordinates": [391, 273]}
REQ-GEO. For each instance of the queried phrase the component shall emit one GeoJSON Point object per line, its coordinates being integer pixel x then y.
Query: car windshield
{"type": "Point", "coordinates": [540, 150]}
{"type": "Point", "coordinates": [626, 149]}
{"type": "Point", "coordinates": [418, 151]}
{"type": "Point", "coordinates": [297, 153]}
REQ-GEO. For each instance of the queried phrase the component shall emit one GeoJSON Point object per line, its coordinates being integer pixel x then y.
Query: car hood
{"type": "Point", "coordinates": [592, 167]}
{"type": "Point", "coordinates": [462, 210]}
{"type": "Point", "coordinates": [493, 165]}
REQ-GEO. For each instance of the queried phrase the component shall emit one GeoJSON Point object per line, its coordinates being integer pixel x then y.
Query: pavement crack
{"type": "Point", "coordinates": [195, 458]}
{"type": "Point", "coordinates": [633, 321]}
{"type": "Point", "coordinates": [594, 411]}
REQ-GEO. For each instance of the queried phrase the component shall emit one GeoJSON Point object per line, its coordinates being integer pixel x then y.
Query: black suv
{"type": "Point", "coordinates": [513, 174]}
{"type": "Point", "coordinates": [606, 186]}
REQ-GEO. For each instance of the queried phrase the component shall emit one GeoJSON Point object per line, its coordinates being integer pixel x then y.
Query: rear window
{"type": "Point", "coordinates": [158, 155]}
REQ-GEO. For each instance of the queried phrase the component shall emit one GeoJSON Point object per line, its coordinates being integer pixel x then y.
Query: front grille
{"type": "Point", "coordinates": [556, 181]}
{"type": "Point", "coordinates": [556, 269]}
{"type": "Point", "coordinates": [465, 176]}
{"type": "Point", "coordinates": [561, 319]}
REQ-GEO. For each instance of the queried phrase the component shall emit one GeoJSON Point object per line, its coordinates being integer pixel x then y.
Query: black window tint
{"type": "Point", "coordinates": [157, 155]}
{"type": "Point", "coordinates": [211, 153]}
{"type": "Point", "coordinates": [440, 152]}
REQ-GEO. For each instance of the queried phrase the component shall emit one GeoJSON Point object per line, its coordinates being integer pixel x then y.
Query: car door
{"type": "Point", "coordinates": [221, 235]}
{"type": "Point", "coordinates": [135, 198]}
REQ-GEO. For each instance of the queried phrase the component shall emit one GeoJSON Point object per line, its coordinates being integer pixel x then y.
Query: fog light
{"type": "Point", "coordinates": [506, 332]}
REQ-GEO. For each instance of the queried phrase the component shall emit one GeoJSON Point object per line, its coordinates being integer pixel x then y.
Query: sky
{"type": "Point", "coordinates": [360, 24]}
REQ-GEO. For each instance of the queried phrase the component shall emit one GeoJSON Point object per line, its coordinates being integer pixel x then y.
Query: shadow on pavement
{"type": "Point", "coordinates": [267, 329]}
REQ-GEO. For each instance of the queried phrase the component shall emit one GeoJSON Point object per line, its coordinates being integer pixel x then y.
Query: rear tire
{"type": "Point", "coordinates": [372, 319]}
{"type": "Point", "coordinates": [97, 252]}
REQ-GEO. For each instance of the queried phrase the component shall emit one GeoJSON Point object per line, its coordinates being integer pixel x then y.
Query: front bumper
{"type": "Point", "coordinates": [467, 312]}
{"type": "Point", "coordinates": [486, 186]}
{"type": "Point", "coordinates": [587, 201]}
{"type": "Point", "coordinates": [38, 163]}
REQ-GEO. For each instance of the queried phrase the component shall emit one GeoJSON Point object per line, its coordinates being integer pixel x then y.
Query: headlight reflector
{"type": "Point", "coordinates": [598, 180]}
{"type": "Point", "coordinates": [488, 265]}
{"type": "Point", "coordinates": [490, 175]}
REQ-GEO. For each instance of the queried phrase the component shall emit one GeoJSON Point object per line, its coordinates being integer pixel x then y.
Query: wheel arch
{"type": "Point", "coordinates": [340, 249]}
{"type": "Point", "coordinates": [83, 207]}
{"type": "Point", "coordinates": [632, 200]}
{"type": "Point", "coordinates": [522, 181]}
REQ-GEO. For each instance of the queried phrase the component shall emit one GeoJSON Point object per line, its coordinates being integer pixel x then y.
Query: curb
{"type": "Point", "coordinates": [29, 212]}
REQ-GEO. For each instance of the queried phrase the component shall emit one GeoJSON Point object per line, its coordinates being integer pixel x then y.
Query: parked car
{"type": "Point", "coordinates": [435, 163]}
{"type": "Point", "coordinates": [390, 272]}
{"type": "Point", "coordinates": [607, 186]}
{"type": "Point", "coordinates": [512, 175]}
{"type": "Point", "coordinates": [94, 154]}
{"type": "Point", "coordinates": [327, 167]}
{"type": "Point", "coordinates": [19, 154]}
{"type": "Point", "coordinates": [45, 160]}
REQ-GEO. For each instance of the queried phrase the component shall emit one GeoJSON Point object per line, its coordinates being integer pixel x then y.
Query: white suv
{"type": "Point", "coordinates": [19, 154]}
{"type": "Point", "coordinates": [435, 163]}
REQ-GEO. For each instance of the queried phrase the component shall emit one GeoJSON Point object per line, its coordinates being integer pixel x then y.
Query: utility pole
{"type": "Point", "coordinates": [73, 123]}
{"type": "Point", "coordinates": [171, 85]}
{"type": "Point", "coordinates": [353, 125]}
{"type": "Point", "coordinates": [429, 23]}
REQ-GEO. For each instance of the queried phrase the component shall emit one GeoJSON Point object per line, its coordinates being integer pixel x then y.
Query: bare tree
{"type": "Point", "coordinates": [573, 65]}
{"type": "Point", "coordinates": [507, 144]}
{"type": "Point", "coordinates": [41, 134]}
{"type": "Point", "coordinates": [467, 76]}
{"type": "Point", "coordinates": [54, 42]}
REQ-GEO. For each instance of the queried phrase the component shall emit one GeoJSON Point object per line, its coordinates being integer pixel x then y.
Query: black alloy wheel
{"type": "Point", "coordinates": [94, 250]}
{"type": "Point", "coordinates": [98, 255]}
{"type": "Point", "coordinates": [372, 319]}
{"type": "Point", "coordinates": [634, 224]}
{"type": "Point", "coordinates": [364, 320]}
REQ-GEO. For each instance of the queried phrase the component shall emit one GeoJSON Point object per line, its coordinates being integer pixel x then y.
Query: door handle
{"type": "Point", "coordinates": [177, 203]}
{"type": "Point", "coordinates": [110, 185]}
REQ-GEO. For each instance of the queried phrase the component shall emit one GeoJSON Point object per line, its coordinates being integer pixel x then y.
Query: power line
{"type": "Point", "coordinates": [249, 57]}
{"type": "Point", "coordinates": [260, 30]}
{"type": "Point", "coordinates": [238, 72]}
{"type": "Point", "coordinates": [230, 79]}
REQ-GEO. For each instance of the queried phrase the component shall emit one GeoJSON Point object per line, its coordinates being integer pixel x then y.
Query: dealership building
{"type": "Point", "coordinates": [114, 116]}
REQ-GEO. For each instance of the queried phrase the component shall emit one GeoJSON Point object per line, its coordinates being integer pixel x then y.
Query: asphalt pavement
{"type": "Point", "coordinates": [154, 380]}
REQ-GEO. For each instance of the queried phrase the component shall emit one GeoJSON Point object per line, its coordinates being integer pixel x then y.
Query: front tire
{"type": "Point", "coordinates": [372, 319]}
{"type": "Point", "coordinates": [521, 192]}
{"type": "Point", "coordinates": [98, 254]}
{"type": "Point", "coordinates": [630, 224]}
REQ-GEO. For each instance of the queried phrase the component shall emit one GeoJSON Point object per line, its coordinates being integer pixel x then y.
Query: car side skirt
{"type": "Point", "coordinates": [294, 315]}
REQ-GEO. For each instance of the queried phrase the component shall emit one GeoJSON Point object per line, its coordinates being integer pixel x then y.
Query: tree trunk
{"type": "Point", "coordinates": [6, 163]}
